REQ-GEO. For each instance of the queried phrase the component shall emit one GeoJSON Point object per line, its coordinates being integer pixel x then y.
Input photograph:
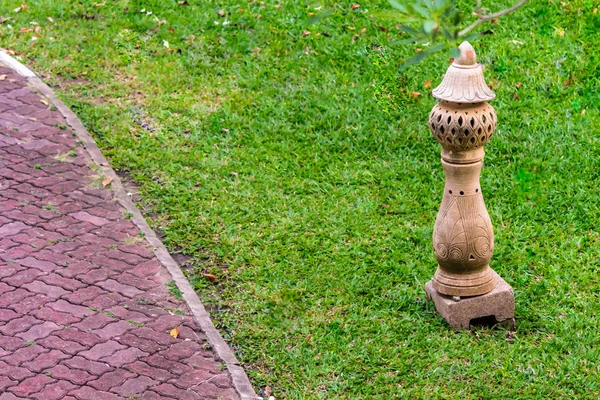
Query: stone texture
{"type": "Point", "coordinates": [460, 312]}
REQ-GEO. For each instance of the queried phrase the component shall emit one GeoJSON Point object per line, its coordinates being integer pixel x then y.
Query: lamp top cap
{"type": "Point", "coordinates": [464, 81]}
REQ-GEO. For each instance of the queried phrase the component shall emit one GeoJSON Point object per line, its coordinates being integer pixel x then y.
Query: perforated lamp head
{"type": "Point", "coordinates": [464, 81]}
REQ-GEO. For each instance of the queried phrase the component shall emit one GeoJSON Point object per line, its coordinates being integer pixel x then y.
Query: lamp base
{"type": "Point", "coordinates": [498, 304]}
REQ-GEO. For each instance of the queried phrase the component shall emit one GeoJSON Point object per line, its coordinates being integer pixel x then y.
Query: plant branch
{"type": "Point", "coordinates": [485, 18]}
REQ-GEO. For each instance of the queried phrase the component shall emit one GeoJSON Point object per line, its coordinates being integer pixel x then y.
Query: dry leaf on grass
{"type": "Point", "coordinates": [210, 276]}
{"type": "Point", "coordinates": [427, 84]}
{"type": "Point", "coordinates": [355, 6]}
{"type": "Point", "coordinates": [415, 94]}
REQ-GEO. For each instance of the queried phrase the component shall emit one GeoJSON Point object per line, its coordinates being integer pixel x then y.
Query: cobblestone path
{"type": "Point", "coordinates": [85, 310]}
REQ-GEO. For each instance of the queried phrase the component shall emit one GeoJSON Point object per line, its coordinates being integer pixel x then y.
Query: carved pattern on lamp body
{"type": "Point", "coordinates": [463, 231]}
{"type": "Point", "coordinates": [460, 128]}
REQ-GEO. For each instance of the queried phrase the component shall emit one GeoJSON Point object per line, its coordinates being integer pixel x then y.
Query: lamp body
{"type": "Point", "coordinates": [463, 238]}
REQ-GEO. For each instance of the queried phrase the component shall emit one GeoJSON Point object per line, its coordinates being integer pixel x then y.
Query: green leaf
{"type": "Point", "coordinates": [472, 36]}
{"type": "Point", "coordinates": [398, 6]}
{"type": "Point", "coordinates": [410, 30]}
{"type": "Point", "coordinates": [448, 35]}
{"type": "Point", "coordinates": [421, 56]}
{"type": "Point", "coordinates": [440, 4]}
{"type": "Point", "coordinates": [317, 18]}
{"type": "Point", "coordinates": [429, 26]}
{"type": "Point", "coordinates": [421, 10]}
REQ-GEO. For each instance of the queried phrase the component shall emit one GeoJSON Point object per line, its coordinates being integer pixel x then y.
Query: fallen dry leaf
{"type": "Point", "coordinates": [2, 77]}
{"type": "Point", "coordinates": [355, 6]}
{"type": "Point", "coordinates": [415, 94]}
{"type": "Point", "coordinates": [221, 13]}
{"type": "Point", "coordinates": [26, 29]}
{"type": "Point", "coordinates": [427, 84]}
{"type": "Point", "coordinates": [268, 390]}
{"type": "Point", "coordinates": [107, 181]}
{"type": "Point", "coordinates": [419, 50]}
{"type": "Point", "coordinates": [174, 332]}
{"type": "Point", "coordinates": [210, 276]}
{"type": "Point", "coordinates": [183, 3]}
{"type": "Point", "coordinates": [567, 82]}
{"type": "Point", "coordinates": [23, 7]}
{"type": "Point", "coordinates": [518, 85]}
{"type": "Point", "coordinates": [44, 101]}
{"type": "Point", "coordinates": [2, 19]}
{"type": "Point", "coordinates": [306, 33]}
{"type": "Point", "coordinates": [515, 96]}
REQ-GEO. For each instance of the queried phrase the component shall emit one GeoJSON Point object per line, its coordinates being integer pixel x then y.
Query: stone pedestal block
{"type": "Point", "coordinates": [459, 312]}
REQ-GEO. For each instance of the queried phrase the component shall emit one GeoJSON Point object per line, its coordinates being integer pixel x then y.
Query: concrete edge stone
{"type": "Point", "coordinates": [238, 376]}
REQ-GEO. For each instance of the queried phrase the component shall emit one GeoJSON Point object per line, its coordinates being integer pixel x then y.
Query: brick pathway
{"type": "Point", "coordinates": [85, 312]}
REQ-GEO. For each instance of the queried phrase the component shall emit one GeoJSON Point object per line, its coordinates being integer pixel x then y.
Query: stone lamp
{"type": "Point", "coordinates": [464, 287]}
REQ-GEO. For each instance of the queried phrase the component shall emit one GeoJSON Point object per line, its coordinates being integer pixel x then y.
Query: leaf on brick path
{"type": "Point", "coordinates": [427, 84]}
{"type": "Point", "coordinates": [518, 85]}
{"type": "Point", "coordinates": [107, 181]}
{"type": "Point", "coordinates": [2, 77]}
{"type": "Point", "coordinates": [44, 101]}
{"type": "Point", "coordinates": [306, 33]}
{"type": "Point", "coordinates": [210, 277]}
{"type": "Point", "coordinates": [415, 94]}
{"type": "Point", "coordinates": [355, 6]}
{"type": "Point", "coordinates": [174, 332]}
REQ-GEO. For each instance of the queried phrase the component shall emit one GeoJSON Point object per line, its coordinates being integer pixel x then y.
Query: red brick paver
{"type": "Point", "coordinates": [85, 312]}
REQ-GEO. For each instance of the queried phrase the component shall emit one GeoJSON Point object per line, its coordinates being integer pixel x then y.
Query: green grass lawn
{"type": "Point", "coordinates": [300, 171]}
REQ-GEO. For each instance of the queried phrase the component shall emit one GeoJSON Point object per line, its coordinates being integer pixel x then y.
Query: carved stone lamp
{"type": "Point", "coordinates": [464, 287]}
